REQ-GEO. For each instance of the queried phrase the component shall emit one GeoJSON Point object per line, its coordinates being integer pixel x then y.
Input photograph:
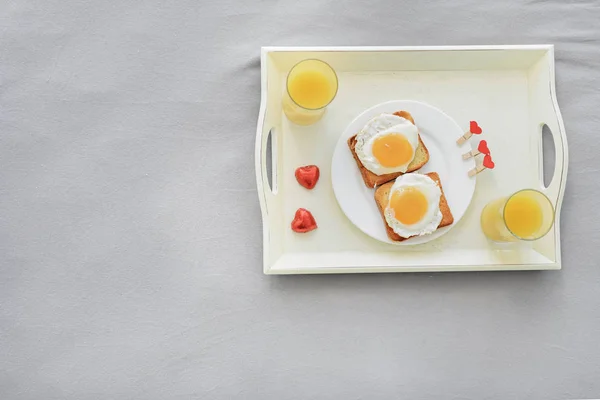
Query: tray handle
{"type": "Point", "coordinates": [553, 120]}
{"type": "Point", "coordinates": [265, 158]}
{"type": "Point", "coordinates": [269, 160]}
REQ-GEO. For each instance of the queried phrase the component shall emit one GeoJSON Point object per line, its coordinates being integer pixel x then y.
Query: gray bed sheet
{"type": "Point", "coordinates": [130, 246]}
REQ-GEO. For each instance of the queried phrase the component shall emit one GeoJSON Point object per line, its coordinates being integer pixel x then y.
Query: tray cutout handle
{"type": "Point", "coordinates": [548, 151]}
{"type": "Point", "coordinates": [553, 164]}
{"type": "Point", "coordinates": [269, 160]}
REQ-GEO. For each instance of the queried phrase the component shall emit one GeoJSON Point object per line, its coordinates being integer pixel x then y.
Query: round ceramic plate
{"type": "Point", "coordinates": [439, 133]}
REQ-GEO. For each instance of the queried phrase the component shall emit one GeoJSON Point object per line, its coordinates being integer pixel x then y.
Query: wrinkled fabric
{"type": "Point", "coordinates": [130, 245]}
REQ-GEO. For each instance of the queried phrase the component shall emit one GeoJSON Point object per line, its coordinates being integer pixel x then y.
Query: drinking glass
{"type": "Point", "coordinates": [525, 215]}
{"type": "Point", "coordinates": [311, 86]}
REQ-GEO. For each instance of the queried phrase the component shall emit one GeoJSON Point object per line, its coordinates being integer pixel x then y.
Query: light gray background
{"type": "Point", "coordinates": [130, 247]}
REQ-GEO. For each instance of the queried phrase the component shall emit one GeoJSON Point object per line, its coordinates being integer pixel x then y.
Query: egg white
{"type": "Point", "coordinates": [433, 216]}
{"type": "Point", "coordinates": [382, 125]}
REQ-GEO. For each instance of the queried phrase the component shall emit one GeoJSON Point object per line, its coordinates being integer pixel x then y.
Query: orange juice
{"type": "Point", "coordinates": [311, 85]}
{"type": "Point", "coordinates": [523, 215]}
{"type": "Point", "coordinates": [526, 215]}
{"type": "Point", "coordinates": [311, 89]}
{"type": "Point", "coordinates": [492, 222]}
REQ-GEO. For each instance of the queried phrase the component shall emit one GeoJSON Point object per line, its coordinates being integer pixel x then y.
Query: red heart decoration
{"type": "Point", "coordinates": [474, 128]}
{"type": "Point", "coordinates": [307, 176]}
{"type": "Point", "coordinates": [487, 162]}
{"type": "Point", "coordinates": [303, 221]}
{"type": "Point", "coordinates": [483, 147]}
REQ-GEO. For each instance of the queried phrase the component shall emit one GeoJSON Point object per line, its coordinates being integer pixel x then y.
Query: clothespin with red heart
{"type": "Point", "coordinates": [486, 164]}
{"type": "Point", "coordinates": [474, 129]}
{"type": "Point", "coordinates": [482, 148]}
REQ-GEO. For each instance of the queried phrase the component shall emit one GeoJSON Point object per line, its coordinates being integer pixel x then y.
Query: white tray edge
{"type": "Point", "coordinates": [559, 184]}
{"type": "Point", "coordinates": [267, 49]}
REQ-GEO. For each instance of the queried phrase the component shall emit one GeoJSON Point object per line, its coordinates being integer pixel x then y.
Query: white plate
{"type": "Point", "coordinates": [439, 133]}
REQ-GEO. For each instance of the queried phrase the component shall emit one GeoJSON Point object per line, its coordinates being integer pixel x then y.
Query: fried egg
{"type": "Point", "coordinates": [414, 205]}
{"type": "Point", "coordinates": [387, 144]}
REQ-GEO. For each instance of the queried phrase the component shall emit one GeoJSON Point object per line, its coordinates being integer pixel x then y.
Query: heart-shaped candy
{"type": "Point", "coordinates": [483, 148]}
{"type": "Point", "coordinates": [487, 162]}
{"type": "Point", "coordinates": [474, 128]}
{"type": "Point", "coordinates": [303, 221]}
{"type": "Point", "coordinates": [307, 176]}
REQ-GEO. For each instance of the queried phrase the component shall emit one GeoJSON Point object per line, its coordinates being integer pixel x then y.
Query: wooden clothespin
{"type": "Point", "coordinates": [474, 129]}
{"type": "Point", "coordinates": [487, 164]}
{"type": "Point", "coordinates": [482, 148]}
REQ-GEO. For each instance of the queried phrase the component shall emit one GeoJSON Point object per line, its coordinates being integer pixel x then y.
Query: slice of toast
{"type": "Point", "coordinates": [382, 194]}
{"type": "Point", "coordinates": [371, 179]}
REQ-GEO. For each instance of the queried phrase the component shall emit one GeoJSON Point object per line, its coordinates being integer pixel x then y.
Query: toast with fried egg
{"type": "Point", "coordinates": [371, 179]}
{"type": "Point", "coordinates": [382, 194]}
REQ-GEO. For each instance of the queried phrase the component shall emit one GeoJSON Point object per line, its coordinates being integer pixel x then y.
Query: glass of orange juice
{"type": "Point", "coordinates": [311, 85]}
{"type": "Point", "coordinates": [525, 215]}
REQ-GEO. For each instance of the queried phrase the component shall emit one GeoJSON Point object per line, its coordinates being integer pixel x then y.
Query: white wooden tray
{"type": "Point", "coordinates": [509, 90]}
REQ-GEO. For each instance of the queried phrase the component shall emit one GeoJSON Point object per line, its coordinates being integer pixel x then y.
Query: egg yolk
{"type": "Point", "coordinates": [409, 205]}
{"type": "Point", "coordinates": [392, 150]}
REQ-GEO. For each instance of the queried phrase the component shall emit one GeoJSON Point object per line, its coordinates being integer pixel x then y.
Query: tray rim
{"type": "Point", "coordinates": [268, 269]}
{"type": "Point", "coordinates": [268, 49]}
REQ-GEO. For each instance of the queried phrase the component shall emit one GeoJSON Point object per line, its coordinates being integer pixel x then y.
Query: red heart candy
{"type": "Point", "coordinates": [483, 147]}
{"type": "Point", "coordinates": [474, 128]}
{"type": "Point", "coordinates": [307, 176]}
{"type": "Point", "coordinates": [303, 221]}
{"type": "Point", "coordinates": [487, 162]}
